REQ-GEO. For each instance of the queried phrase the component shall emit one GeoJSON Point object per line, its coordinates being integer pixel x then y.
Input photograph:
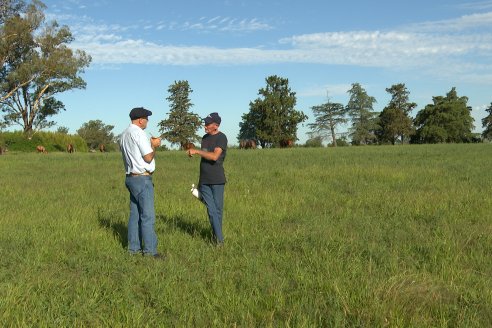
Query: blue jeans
{"type": "Point", "coordinates": [141, 234]}
{"type": "Point", "coordinates": [213, 197]}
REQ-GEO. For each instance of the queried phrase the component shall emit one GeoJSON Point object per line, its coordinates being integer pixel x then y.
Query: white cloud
{"type": "Point", "coordinates": [227, 24]}
{"type": "Point", "coordinates": [443, 48]}
{"type": "Point", "coordinates": [467, 22]}
{"type": "Point", "coordinates": [477, 5]}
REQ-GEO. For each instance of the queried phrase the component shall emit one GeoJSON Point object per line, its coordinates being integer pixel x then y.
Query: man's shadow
{"type": "Point", "coordinates": [119, 229]}
{"type": "Point", "coordinates": [194, 229]}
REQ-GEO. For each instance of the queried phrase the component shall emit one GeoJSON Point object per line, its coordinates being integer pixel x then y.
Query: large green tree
{"type": "Point", "coordinates": [37, 64]}
{"type": "Point", "coordinates": [487, 124]}
{"type": "Point", "coordinates": [181, 125]}
{"type": "Point", "coordinates": [272, 118]}
{"type": "Point", "coordinates": [95, 132]}
{"type": "Point", "coordinates": [362, 115]}
{"type": "Point", "coordinates": [448, 119]}
{"type": "Point", "coordinates": [9, 8]}
{"type": "Point", "coordinates": [394, 120]}
{"type": "Point", "coordinates": [327, 117]}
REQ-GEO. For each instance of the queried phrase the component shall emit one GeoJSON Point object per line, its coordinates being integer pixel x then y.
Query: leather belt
{"type": "Point", "coordinates": [139, 174]}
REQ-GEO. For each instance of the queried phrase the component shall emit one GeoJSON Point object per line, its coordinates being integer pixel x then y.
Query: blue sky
{"type": "Point", "coordinates": [226, 48]}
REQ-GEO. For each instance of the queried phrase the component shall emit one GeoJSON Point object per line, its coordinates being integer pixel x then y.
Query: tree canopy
{"type": "Point", "coordinates": [181, 125]}
{"type": "Point", "coordinates": [487, 124]}
{"type": "Point", "coordinates": [9, 8]}
{"type": "Point", "coordinates": [394, 120]}
{"type": "Point", "coordinates": [448, 119]}
{"type": "Point", "coordinates": [272, 118]}
{"type": "Point", "coordinates": [36, 64]}
{"type": "Point", "coordinates": [363, 117]}
{"type": "Point", "coordinates": [95, 132]}
{"type": "Point", "coordinates": [327, 117]}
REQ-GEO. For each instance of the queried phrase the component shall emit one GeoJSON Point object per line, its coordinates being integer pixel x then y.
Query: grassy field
{"type": "Point", "coordinates": [349, 237]}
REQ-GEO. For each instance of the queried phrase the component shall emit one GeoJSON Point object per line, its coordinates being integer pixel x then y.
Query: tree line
{"type": "Point", "coordinates": [446, 120]}
{"type": "Point", "coordinates": [273, 118]}
{"type": "Point", "coordinates": [36, 65]}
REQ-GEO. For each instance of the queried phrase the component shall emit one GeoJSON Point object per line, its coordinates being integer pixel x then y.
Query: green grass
{"type": "Point", "coordinates": [356, 236]}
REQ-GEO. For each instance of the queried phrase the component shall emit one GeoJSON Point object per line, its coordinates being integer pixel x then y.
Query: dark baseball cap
{"type": "Point", "coordinates": [212, 118]}
{"type": "Point", "coordinates": [139, 112]}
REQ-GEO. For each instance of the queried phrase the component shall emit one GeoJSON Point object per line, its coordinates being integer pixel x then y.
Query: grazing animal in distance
{"type": "Point", "coordinates": [187, 146]}
{"type": "Point", "coordinates": [102, 148]}
{"type": "Point", "coordinates": [286, 143]}
{"type": "Point", "coordinates": [2, 150]}
{"type": "Point", "coordinates": [247, 144]}
{"type": "Point", "coordinates": [70, 148]}
{"type": "Point", "coordinates": [41, 149]}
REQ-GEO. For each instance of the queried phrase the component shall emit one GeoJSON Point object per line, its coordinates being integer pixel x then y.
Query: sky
{"type": "Point", "coordinates": [226, 49]}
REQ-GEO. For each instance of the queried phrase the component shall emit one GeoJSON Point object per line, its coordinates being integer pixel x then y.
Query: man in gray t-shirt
{"type": "Point", "coordinates": [212, 177]}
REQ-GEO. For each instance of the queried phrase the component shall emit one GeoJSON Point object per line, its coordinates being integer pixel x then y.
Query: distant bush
{"type": "Point", "coordinates": [314, 142]}
{"type": "Point", "coordinates": [342, 142]}
{"type": "Point", "coordinates": [52, 141]}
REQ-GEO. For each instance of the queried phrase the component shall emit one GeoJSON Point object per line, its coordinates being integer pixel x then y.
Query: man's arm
{"type": "Point", "coordinates": [208, 155]}
{"type": "Point", "coordinates": [154, 143]}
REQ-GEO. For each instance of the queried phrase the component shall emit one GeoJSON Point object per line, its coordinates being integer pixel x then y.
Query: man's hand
{"type": "Point", "coordinates": [191, 152]}
{"type": "Point", "coordinates": [155, 142]}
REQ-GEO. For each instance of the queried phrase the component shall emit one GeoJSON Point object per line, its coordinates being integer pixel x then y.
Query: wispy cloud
{"type": "Point", "coordinates": [467, 22]}
{"type": "Point", "coordinates": [476, 5]}
{"type": "Point", "coordinates": [217, 24]}
{"type": "Point", "coordinates": [456, 47]}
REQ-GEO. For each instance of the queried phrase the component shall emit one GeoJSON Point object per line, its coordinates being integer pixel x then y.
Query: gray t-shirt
{"type": "Point", "coordinates": [212, 172]}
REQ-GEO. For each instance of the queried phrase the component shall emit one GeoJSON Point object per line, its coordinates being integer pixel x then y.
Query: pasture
{"type": "Point", "coordinates": [395, 236]}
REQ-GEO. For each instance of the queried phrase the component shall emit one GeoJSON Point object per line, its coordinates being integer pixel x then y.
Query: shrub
{"type": "Point", "coordinates": [52, 141]}
{"type": "Point", "coordinates": [314, 142]}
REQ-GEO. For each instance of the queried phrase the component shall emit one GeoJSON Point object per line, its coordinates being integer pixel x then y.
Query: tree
{"type": "Point", "coordinates": [448, 119]}
{"type": "Point", "coordinates": [95, 132]}
{"type": "Point", "coordinates": [37, 65]}
{"type": "Point", "coordinates": [62, 130]}
{"type": "Point", "coordinates": [487, 124]}
{"type": "Point", "coordinates": [9, 8]}
{"type": "Point", "coordinates": [272, 118]}
{"type": "Point", "coordinates": [314, 142]}
{"type": "Point", "coordinates": [394, 120]}
{"type": "Point", "coordinates": [181, 125]}
{"type": "Point", "coordinates": [327, 117]}
{"type": "Point", "coordinates": [360, 110]}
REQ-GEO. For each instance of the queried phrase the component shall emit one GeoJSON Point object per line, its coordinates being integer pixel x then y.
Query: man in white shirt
{"type": "Point", "coordinates": [138, 154]}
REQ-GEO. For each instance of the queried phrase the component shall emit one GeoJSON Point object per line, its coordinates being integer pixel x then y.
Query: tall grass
{"type": "Point", "coordinates": [355, 236]}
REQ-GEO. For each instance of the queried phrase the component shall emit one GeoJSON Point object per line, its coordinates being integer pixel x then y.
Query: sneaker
{"type": "Point", "coordinates": [195, 192]}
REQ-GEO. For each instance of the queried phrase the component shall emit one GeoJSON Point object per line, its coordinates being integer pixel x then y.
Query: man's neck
{"type": "Point", "coordinates": [136, 123]}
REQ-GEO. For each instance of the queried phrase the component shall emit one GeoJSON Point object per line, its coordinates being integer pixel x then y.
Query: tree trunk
{"type": "Point", "coordinates": [333, 135]}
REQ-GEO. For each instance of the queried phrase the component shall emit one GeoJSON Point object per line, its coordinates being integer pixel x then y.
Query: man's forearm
{"type": "Point", "coordinates": [211, 156]}
{"type": "Point", "coordinates": [150, 156]}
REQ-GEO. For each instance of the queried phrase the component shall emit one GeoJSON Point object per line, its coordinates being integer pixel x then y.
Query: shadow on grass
{"type": "Point", "coordinates": [191, 228]}
{"type": "Point", "coordinates": [120, 230]}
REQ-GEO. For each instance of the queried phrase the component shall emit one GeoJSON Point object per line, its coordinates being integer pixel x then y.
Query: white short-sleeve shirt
{"type": "Point", "coordinates": [134, 144]}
